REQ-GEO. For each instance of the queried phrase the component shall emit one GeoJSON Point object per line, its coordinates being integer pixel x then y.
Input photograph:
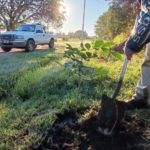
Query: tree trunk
{"type": "Point", "coordinates": [10, 25]}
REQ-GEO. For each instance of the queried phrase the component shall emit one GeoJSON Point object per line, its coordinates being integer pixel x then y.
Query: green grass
{"type": "Point", "coordinates": [34, 86]}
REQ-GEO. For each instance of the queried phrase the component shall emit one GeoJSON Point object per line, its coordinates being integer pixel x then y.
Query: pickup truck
{"type": "Point", "coordinates": [26, 36]}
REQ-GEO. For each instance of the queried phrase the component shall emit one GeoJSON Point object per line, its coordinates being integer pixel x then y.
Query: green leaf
{"type": "Point", "coordinates": [88, 46]}
{"type": "Point", "coordinates": [83, 55]}
{"type": "Point", "coordinates": [83, 49]}
{"type": "Point", "coordinates": [78, 61]}
{"type": "Point", "coordinates": [88, 54]}
{"type": "Point", "coordinates": [107, 44]}
{"type": "Point", "coordinates": [65, 55]}
{"type": "Point", "coordinates": [75, 49]}
{"type": "Point", "coordinates": [106, 51]}
{"type": "Point", "coordinates": [117, 55]}
{"type": "Point", "coordinates": [98, 44]}
{"type": "Point", "coordinates": [94, 55]}
{"type": "Point", "coordinates": [68, 46]}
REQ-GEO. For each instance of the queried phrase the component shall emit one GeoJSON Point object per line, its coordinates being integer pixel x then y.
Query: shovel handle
{"type": "Point", "coordinates": [119, 84]}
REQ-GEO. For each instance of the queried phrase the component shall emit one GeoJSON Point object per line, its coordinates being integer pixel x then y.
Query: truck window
{"type": "Point", "coordinates": [39, 29]}
{"type": "Point", "coordinates": [26, 28]}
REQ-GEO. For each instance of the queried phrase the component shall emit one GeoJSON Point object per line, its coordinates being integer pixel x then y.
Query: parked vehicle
{"type": "Point", "coordinates": [26, 36]}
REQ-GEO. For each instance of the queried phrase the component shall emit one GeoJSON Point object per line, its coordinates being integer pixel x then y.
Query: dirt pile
{"type": "Point", "coordinates": [68, 134]}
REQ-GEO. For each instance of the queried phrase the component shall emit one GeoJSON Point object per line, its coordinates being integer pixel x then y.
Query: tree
{"type": "Point", "coordinates": [80, 33]}
{"type": "Point", "coordinates": [119, 18]}
{"type": "Point", "coordinates": [120, 2]}
{"type": "Point", "coordinates": [100, 27]}
{"type": "Point", "coordinates": [13, 12]}
{"type": "Point", "coordinates": [71, 34]}
{"type": "Point", "coordinates": [111, 23]}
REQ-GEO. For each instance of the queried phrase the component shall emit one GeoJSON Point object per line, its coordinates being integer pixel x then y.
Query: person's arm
{"type": "Point", "coordinates": [141, 36]}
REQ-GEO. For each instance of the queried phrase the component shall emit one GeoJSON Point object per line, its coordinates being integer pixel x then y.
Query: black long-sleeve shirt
{"type": "Point", "coordinates": [141, 32]}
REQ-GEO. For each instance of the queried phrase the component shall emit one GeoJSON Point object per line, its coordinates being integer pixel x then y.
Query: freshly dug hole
{"type": "Point", "coordinates": [67, 133]}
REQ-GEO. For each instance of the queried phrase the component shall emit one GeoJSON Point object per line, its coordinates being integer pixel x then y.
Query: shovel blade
{"type": "Point", "coordinates": [110, 113]}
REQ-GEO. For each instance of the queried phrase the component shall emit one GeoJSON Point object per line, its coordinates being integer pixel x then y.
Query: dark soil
{"type": "Point", "coordinates": [68, 134]}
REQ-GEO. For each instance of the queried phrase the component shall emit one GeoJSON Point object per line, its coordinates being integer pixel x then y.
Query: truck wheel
{"type": "Point", "coordinates": [30, 46]}
{"type": "Point", "coordinates": [51, 43]}
{"type": "Point", "coordinates": [6, 49]}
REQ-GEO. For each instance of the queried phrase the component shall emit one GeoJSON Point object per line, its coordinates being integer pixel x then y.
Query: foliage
{"type": "Point", "coordinates": [65, 38]}
{"type": "Point", "coordinates": [71, 35]}
{"type": "Point", "coordinates": [121, 2]}
{"type": "Point", "coordinates": [97, 49]}
{"type": "Point", "coordinates": [119, 18]}
{"type": "Point", "coordinates": [119, 38]}
{"type": "Point", "coordinates": [14, 12]}
{"type": "Point", "coordinates": [100, 27]}
{"type": "Point", "coordinates": [113, 25]}
{"type": "Point", "coordinates": [79, 34]}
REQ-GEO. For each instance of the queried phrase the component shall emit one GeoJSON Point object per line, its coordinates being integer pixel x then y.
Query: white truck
{"type": "Point", "coordinates": [26, 36]}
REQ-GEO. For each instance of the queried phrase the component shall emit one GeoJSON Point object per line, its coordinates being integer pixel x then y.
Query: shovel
{"type": "Point", "coordinates": [120, 79]}
{"type": "Point", "coordinates": [110, 114]}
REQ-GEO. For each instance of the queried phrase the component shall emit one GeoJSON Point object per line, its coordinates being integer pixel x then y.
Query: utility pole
{"type": "Point", "coordinates": [83, 21]}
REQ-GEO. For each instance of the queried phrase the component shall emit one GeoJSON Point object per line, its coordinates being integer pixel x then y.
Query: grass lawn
{"type": "Point", "coordinates": [35, 86]}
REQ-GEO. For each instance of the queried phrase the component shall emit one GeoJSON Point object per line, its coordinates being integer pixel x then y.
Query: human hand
{"type": "Point", "coordinates": [136, 6]}
{"type": "Point", "coordinates": [129, 56]}
{"type": "Point", "coordinates": [119, 47]}
{"type": "Point", "coordinates": [128, 53]}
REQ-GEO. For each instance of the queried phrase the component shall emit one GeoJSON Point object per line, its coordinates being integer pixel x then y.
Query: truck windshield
{"type": "Point", "coordinates": [26, 28]}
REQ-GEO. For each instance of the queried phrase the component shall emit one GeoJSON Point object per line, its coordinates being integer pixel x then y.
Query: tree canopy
{"type": "Point", "coordinates": [13, 12]}
{"type": "Point", "coordinates": [80, 33]}
{"type": "Point", "coordinates": [119, 18]}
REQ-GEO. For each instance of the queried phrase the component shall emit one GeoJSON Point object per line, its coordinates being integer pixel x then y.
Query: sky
{"type": "Point", "coordinates": [74, 15]}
